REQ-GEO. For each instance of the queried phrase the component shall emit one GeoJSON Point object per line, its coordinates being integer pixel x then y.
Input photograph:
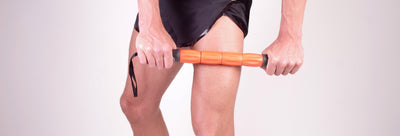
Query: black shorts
{"type": "Point", "coordinates": [188, 20]}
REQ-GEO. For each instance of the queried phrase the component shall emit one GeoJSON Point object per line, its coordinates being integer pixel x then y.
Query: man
{"type": "Point", "coordinates": [217, 25]}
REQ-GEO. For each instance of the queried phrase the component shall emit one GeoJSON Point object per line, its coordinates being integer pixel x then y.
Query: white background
{"type": "Point", "coordinates": [64, 65]}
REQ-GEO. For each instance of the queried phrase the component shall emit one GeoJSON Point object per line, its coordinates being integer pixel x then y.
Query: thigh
{"type": "Point", "coordinates": [151, 82]}
{"type": "Point", "coordinates": [215, 86]}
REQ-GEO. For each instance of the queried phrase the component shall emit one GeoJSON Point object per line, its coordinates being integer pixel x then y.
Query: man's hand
{"type": "Point", "coordinates": [284, 56]}
{"type": "Point", "coordinates": [155, 48]}
{"type": "Point", "coordinates": [154, 45]}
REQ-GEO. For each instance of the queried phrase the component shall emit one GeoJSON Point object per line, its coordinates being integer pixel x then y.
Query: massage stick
{"type": "Point", "coordinates": [210, 58]}
{"type": "Point", "coordinates": [220, 58]}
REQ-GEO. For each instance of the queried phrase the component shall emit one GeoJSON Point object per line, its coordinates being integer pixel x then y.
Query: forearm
{"type": "Point", "coordinates": [292, 19]}
{"type": "Point", "coordinates": [149, 15]}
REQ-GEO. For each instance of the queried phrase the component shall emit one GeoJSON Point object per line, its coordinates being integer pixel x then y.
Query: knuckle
{"type": "Point", "coordinates": [300, 62]}
{"type": "Point", "coordinates": [148, 49]}
{"type": "Point", "coordinates": [166, 48]}
{"type": "Point", "coordinates": [142, 46]}
{"type": "Point", "coordinates": [156, 50]}
{"type": "Point", "coordinates": [139, 46]}
{"type": "Point", "coordinates": [292, 63]}
{"type": "Point", "coordinates": [274, 61]}
{"type": "Point", "coordinates": [283, 63]}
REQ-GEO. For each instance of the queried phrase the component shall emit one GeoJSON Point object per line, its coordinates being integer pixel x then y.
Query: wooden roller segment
{"type": "Point", "coordinates": [220, 58]}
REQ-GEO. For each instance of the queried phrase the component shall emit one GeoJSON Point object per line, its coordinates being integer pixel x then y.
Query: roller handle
{"type": "Point", "coordinates": [220, 58]}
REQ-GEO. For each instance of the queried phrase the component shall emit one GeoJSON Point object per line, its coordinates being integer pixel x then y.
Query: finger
{"type": "Point", "coordinates": [289, 68]}
{"type": "Point", "coordinates": [168, 59]}
{"type": "Point", "coordinates": [158, 58]}
{"type": "Point", "coordinates": [149, 56]}
{"type": "Point", "coordinates": [281, 66]}
{"type": "Point", "coordinates": [271, 67]}
{"type": "Point", "coordinates": [296, 68]}
{"type": "Point", "coordinates": [142, 56]}
{"type": "Point", "coordinates": [140, 50]}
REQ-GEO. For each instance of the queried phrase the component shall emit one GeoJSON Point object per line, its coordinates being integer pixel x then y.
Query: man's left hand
{"type": "Point", "coordinates": [285, 56]}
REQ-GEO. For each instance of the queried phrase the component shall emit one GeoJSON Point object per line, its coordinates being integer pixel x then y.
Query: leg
{"type": "Point", "coordinates": [215, 87]}
{"type": "Point", "coordinates": [143, 112]}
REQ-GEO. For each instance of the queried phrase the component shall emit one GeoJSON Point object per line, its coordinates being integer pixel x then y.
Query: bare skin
{"type": "Point", "coordinates": [214, 87]}
{"type": "Point", "coordinates": [213, 99]}
{"type": "Point", "coordinates": [286, 52]}
{"type": "Point", "coordinates": [143, 112]}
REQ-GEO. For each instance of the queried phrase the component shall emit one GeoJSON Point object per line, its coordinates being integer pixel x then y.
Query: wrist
{"type": "Point", "coordinates": [149, 16]}
{"type": "Point", "coordinates": [152, 28]}
{"type": "Point", "coordinates": [149, 21]}
{"type": "Point", "coordinates": [288, 35]}
{"type": "Point", "coordinates": [290, 31]}
{"type": "Point", "coordinates": [291, 24]}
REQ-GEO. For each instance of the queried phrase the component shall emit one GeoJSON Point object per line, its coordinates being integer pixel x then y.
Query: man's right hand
{"type": "Point", "coordinates": [154, 47]}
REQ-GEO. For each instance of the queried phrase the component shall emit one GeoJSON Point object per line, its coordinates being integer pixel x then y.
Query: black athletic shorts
{"type": "Point", "coordinates": [188, 20]}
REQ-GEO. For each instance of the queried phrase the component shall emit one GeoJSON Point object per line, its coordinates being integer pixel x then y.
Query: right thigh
{"type": "Point", "coordinates": [151, 82]}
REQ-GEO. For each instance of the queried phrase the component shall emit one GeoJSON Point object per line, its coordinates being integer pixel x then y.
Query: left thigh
{"type": "Point", "coordinates": [215, 86]}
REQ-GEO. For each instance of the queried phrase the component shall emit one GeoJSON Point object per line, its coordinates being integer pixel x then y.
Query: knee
{"type": "Point", "coordinates": [200, 129]}
{"type": "Point", "coordinates": [211, 115]}
{"type": "Point", "coordinates": [136, 109]}
{"type": "Point", "coordinates": [205, 129]}
{"type": "Point", "coordinates": [213, 123]}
